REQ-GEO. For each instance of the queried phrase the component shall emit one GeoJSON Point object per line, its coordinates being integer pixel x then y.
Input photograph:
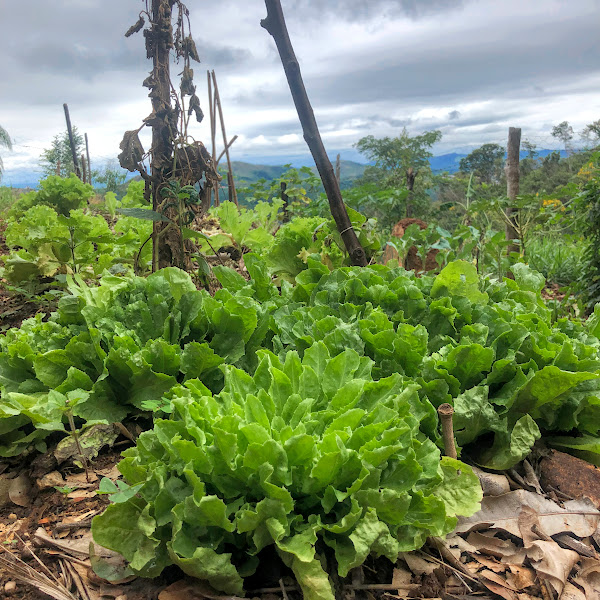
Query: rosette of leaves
{"type": "Point", "coordinates": [491, 348]}
{"type": "Point", "coordinates": [310, 456]}
{"type": "Point", "coordinates": [62, 194]}
{"type": "Point", "coordinates": [121, 346]}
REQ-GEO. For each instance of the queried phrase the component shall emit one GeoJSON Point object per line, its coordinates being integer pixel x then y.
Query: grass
{"type": "Point", "coordinates": [7, 198]}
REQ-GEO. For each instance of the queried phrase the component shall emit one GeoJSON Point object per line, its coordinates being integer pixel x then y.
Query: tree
{"type": "Point", "coordinates": [530, 162]}
{"type": "Point", "coordinates": [486, 162]}
{"type": "Point", "coordinates": [564, 132]}
{"type": "Point", "coordinates": [591, 133]}
{"type": "Point", "coordinates": [7, 143]}
{"type": "Point", "coordinates": [58, 159]}
{"type": "Point", "coordinates": [531, 149]}
{"type": "Point", "coordinates": [112, 176]}
{"type": "Point", "coordinates": [400, 159]}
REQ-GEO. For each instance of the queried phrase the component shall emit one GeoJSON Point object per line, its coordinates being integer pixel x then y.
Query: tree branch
{"type": "Point", "coordinates": [275, 25]}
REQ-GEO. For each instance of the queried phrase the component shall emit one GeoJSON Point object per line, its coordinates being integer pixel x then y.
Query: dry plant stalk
{"type": "Point", "coordinates": [445, 411]}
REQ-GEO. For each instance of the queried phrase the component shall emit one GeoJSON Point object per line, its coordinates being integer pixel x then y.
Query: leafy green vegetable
{"type": "Point", "coordinates": [303, 450]}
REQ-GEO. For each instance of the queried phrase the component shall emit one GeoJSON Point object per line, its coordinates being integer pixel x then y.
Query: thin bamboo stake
{"type": "Point", "coordinates": [87, 151]}
{"type": "Point", "coordinates": [233, 193]}
{"type": "Point", "coordinates": [213, 133]}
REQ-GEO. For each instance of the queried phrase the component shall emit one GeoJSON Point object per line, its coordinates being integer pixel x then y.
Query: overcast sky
{"type": "Point", "coordinates": [471, 68]}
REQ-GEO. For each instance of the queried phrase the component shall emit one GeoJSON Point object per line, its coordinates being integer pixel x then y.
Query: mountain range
{"type": "Point", "coordinates": [270, 168]}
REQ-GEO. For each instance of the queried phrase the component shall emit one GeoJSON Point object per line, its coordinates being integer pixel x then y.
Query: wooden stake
{"type": "Point", "coordinates": [512, 186]}
{"type": "Point", "coordinates": [285, 198]}
{"type": "Point", "coordinates": [83, 169]}
{"type": "Point", "coordinates": [58, 167]}
{"type": "Point", "coordinates": [89, 164]}
{"type": "Point", "coordinates": [232, 192]}
{"type": "Point", "coordinates": [211, 114]}
{"type": "Point", "coordinates": [275, 25]}
{"type": "Point", "coordinates": [338, 169]}
{"type": "Point", "coordinates": [72, 141]}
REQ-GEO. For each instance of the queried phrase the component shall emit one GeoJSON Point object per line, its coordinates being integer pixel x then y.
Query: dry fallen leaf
{"type": "Point", "coordinates": [552, 563]}
{"type": "Point", "coordinates": [192, 590]}
{"type": "Point", "coordinates": [20, 490]}
{"type": "Point", "coordinates": [489, 544]}
{"type": "Point", "coordinates": [570, 592]}
{"type": "Point", "coordinates": [578, 517]}
{"type": "Point", "coordinates": [589, 577]}
{"type": "Point", "coordinates": [521, 577]}
{"type": "Point", "coordinates": [401, 577]}
{"type": "Point", "coordinates": [497, 584]}
{"type": "Point", "coordinates": [418, 565]}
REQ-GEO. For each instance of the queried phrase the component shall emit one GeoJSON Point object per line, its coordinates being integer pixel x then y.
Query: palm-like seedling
{"type": "Point", "coordinates": [6, 142]}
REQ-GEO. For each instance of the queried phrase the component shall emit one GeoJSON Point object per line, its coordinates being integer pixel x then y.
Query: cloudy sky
{"type": "Point", "coordinates": [471, 68]}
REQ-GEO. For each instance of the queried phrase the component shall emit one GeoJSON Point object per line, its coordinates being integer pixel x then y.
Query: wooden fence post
{"type": "Point", "coordinates": [83, 170]}
{"type": "Point", "coordinates": [512, 186]}
{"type": "Point", "coordinates": [72, 141]}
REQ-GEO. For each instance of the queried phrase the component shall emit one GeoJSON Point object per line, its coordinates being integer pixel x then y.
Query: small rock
{"type": "Point", "coordinates": [12, 517]}
{"type": "Point", "coordinates": [10, 587]}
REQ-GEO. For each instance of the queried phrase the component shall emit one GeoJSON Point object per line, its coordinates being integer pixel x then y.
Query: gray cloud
{"type": "Point", "coordinates": [357, 10]}
{"type": "Point", "coordinates": [467, 67]}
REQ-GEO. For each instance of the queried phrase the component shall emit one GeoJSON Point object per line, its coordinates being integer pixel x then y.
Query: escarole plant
{"type": "Point", "coordinates": [309, 455]}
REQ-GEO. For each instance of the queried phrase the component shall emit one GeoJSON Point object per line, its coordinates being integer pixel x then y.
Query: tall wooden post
{"type": "Point", "coordinates": [512, 185]}
{"type": "Point", "coordinates": [338, 168]}
{"type": "Point", "coordinates": [275, 25]}
{"type": "Point", "coordinates": [72, 141]}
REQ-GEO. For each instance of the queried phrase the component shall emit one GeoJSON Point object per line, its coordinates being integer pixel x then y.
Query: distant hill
{"type": "Point", "coordinates": [246, 173]}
